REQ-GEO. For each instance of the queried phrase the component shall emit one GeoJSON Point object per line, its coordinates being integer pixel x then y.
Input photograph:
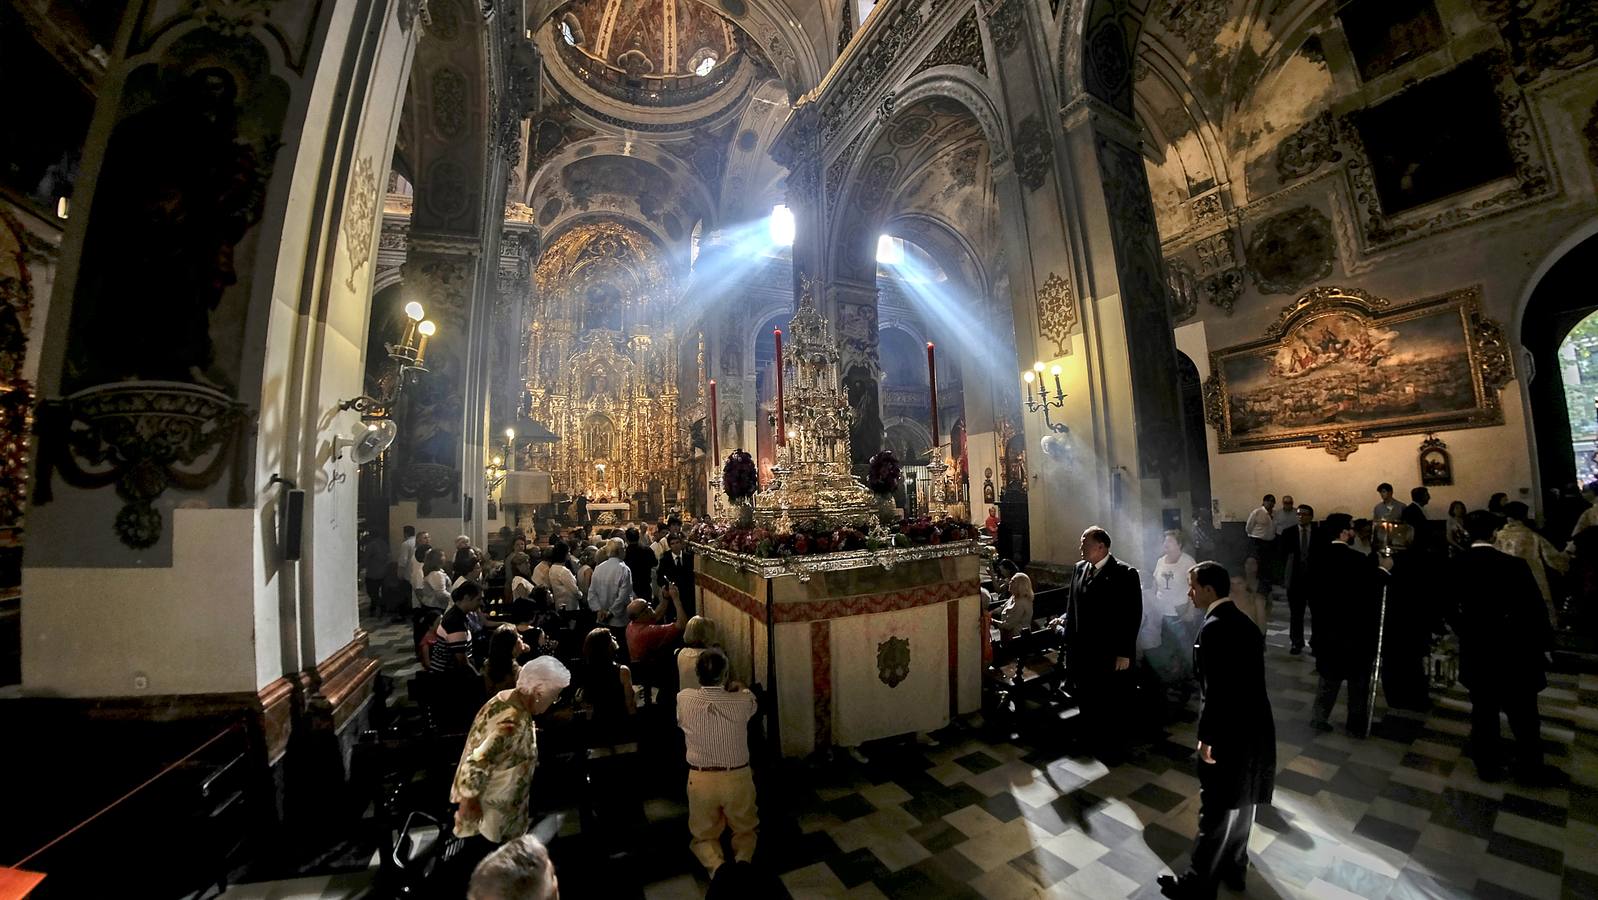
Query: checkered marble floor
{"type": "Point", "coordinates": [1398, 814]}
{"type": "Point", "coordinates": [979, 814]}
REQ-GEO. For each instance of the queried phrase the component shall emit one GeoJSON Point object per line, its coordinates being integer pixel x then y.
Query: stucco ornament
{"type": "Point", "coordinates": [358, 216]}
{"type": "Point", "coordinates": [1031, 153]}
{"type": "Point", "coordinates": [1057, 313]}
{"type": "Point", "coordinates": [1290, 250]}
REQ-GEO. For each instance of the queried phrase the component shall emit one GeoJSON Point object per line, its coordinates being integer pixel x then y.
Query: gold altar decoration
{"type": "Point", "coordinates": [601, 365]}
{"type": "Point", "coordinates": [811, 479]}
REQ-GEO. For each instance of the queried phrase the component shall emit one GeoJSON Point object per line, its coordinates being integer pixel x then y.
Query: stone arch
{"type": "Point", "coordinates": [1097, 49]}
{"type": "Point", "coordinates": [867, 172]}
{"type": "Point", "coordinates": [451, 105]}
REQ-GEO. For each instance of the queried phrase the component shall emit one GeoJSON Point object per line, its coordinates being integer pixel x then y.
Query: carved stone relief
{"type": "Point", "coordinates": [1215, 252]}
{"type": "Point", "coordinates": [1030, 152]}
{"type": "Point", "coordinates": [962, 46]}
{"type": "Point", "coordinates": [1006, 20]}
{"type": "Point", "coordinates": [1290, 250]}
{"type": "Point", "coordinates": [449, 102]}
{"type": "Point", "coordinates": [1307, 149]}
{"type": "Point", "coordinates": [1224, 288]}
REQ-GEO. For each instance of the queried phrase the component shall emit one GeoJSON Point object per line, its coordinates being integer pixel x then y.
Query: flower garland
{"type": "Point", "coordinates": [739, 477]}
{"type": "Point", "coordinates": [763, 542]}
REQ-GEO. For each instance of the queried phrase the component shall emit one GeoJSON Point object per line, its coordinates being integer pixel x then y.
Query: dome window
{"type": "Point", "coordinates": [566, 34]}
{"type": "Point", "coordinates": [704, 61]}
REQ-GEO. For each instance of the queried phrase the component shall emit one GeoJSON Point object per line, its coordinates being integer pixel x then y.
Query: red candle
{"type": "Point", "coordinates": [932, 379]}
{"type": "Point", "coordinates": [782, 428]}
{"type": "Point", "coordinates": [715, 427]}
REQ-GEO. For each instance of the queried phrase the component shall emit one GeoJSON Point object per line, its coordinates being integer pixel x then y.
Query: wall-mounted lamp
{"type": "Point", "coordinates": [1040, 399]}
{"type": "Point", "coordinates": [409, 355]}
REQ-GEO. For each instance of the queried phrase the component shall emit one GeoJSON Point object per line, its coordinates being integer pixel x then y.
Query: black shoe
{"type": "Point", "coordinates": [1237, 881]}
{"type": "Point", "coordinates": [1184, 888]}
{"type": "Point", "coordinates": [1321, 726]}
{"type": "Point", "coordinates": [1490, 774]}
{"type": "Point", "coordinates": [1540, 776]}
{"type": "Point", "coordinates": [1296, 650]}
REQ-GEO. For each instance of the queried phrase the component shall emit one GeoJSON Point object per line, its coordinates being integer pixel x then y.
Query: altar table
{"type": "Point", "coordinates": [853, 646]}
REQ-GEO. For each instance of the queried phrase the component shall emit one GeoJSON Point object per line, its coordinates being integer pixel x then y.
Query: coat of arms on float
{"type": "Point", "coordinates": [893, 661]}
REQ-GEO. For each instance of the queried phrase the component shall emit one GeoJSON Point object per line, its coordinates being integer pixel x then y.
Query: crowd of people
{"type": "Point", "coordinates": [600, 623]}
{"type": "Point", "coordinates": [1400, 599]}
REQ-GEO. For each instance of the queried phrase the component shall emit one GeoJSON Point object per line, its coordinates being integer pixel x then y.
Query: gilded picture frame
{"type": "Point", "coordinates": [1341, 367]}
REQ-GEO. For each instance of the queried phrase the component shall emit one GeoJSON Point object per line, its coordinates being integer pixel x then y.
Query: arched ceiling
{"type": "Point", "coordinates": [928, 164]}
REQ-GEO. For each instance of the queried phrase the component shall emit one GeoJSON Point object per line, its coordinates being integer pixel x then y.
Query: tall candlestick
{"type": "Point", "coordinates": [715, 426]}
{"type": "Point", "coordinates": [932, 379]}
{"type": "Point", "coordinates": [782, 428]}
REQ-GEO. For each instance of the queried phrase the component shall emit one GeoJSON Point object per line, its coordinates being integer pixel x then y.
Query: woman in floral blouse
{"type": "Point", "coordinates": [495, 774]}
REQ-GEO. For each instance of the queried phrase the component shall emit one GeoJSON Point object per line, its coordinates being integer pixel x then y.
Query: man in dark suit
{"type": "Point", "coordinates": [1347, 604]}
{"type": "Point", "coordinates": [641, 562]}
{"type": "Point", "coordinates": [1236, 739]}
{"type": "Point", "coordinates": [1422, 535]}
{"type": "Point", "coordinates": [1100, 628]}
{"type": "Point", "coordinates": [1297, 547]}
{"type": "Point", "coordinates": [1497, 610]}
{"type": "Point", "coordinates": [677, 568]}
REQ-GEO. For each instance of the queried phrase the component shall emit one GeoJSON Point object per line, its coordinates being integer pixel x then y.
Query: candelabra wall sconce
{"type": "Point", "coordinates": [409, 358]}
{"type": "Point", "coordinates": [143, 437]}
{"type": "Point", "coordinates": [1039, 399]}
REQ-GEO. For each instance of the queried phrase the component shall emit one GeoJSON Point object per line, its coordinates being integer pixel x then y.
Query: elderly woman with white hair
{"type": "Point", "coordinates": [611, 587]}
{"type": "Point", "coordinates": [495, 775]}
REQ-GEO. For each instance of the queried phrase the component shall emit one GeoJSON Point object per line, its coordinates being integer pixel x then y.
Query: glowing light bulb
{"type": "Point", "coordinates": [1037, 367]}
{"type": "Point", "coordinates": [498, 460]}
{"type": "Point", "coordinates": [414, 310]}
{"type": "Point", "coordinates": [428, 329]}
{"type": "Point", "coordinates": [1055, 371]}
{"type": "Point", "coordinates": [510, 434]}
{"type": "Point", "coordinates": [1027, 377]}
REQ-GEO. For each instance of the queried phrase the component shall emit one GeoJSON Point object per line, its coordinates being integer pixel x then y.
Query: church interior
{"type": "Point", "coordinates": [903, 375]}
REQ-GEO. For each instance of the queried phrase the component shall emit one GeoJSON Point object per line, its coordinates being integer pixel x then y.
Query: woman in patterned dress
{"type": "Point", "coordinates": [495, 774]}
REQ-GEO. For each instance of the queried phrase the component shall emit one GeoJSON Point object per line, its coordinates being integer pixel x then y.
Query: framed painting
{"type": "Point", "coordinates": [1341, 367]}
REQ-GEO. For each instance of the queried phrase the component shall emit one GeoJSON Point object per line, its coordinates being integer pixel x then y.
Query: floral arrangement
{"type": "Point", "coordinates": [883, 476]}
{"type": "Point", "coordinates": [763, 542]}
{"type": "Point", "coordinates": [739, 477]}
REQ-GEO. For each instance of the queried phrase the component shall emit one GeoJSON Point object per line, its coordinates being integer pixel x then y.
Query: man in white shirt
{"type": "Point", "coordinates": [1389, 510]}
{"type": "Point", "coordinates": [424, 542]}
{"type": "Point", "coordinates": [721, 790]}
{"type": "Point", "coordinates": [404, 553]}
{"type": "Point", "coordinates": [1261, 531]}
{"type": "Point", "coordinates": [553, 574]}
{"type": "Point", "coordinates": [611, 587]}
{"type": "Point", "coordinates": [1286, 517]}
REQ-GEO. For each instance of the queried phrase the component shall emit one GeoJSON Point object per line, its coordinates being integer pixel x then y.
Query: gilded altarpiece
{"type": "Point", "coordinates": [601, 365]}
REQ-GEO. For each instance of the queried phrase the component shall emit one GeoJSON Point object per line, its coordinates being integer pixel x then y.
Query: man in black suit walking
{"type": "Point", "coordinates": [1237, 739]}
{"type": "Point", "coordinates": [1347, 608]}
{"type": "Point", "coordinates": [677, 568]}
{"type": "Point", "coordinates": [1497, 610]}
{"type": "Point", "coordinates": [1298, 547]}
{"type": "Point", "coordinates": [1100, 628]}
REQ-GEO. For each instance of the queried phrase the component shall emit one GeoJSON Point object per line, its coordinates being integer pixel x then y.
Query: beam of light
{"type": "Point", "coordinates": [952, 314]}
{"type": "Point", "coordinates": [782, 225]}
{"type": "Point", "coordinates": [890, 250]}
{"type": "Point", "coordinates": [728, 259]}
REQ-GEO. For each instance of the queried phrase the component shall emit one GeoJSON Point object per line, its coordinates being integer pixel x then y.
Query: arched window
{"type": "Point", "coordinates": [1578, 369]}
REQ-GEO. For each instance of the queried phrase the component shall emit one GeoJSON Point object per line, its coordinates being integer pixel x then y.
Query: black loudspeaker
{"type": "Point", "coordinates": [293, 523]}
